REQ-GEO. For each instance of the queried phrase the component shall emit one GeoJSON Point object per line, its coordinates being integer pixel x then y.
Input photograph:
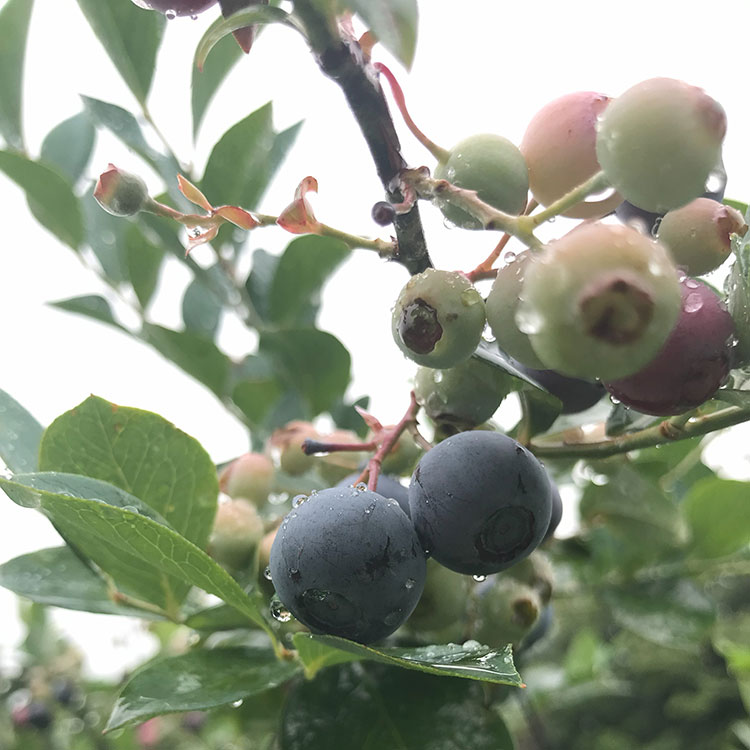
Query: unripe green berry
{"type": "Point", "coordinates": [502, 308]}
{"type": "Point", "coordinates": [438, 318]}
{"type": "Point", "coordinates": [237, 530]}
{"type": "Point", "coordinates": [120, 193]}
{"type": "Point", "coordinates": [505, 611]}
{"type": "Point", "coordinates": [491, 165]}
{"type": "Point", "coordinates": [250, 476]}
{"type": "Point", "coordinates": [699, 234]}
{"type": "Point", "coordinates": [465, 395]}
{"type": "Point", "coordinates": [559, 146]}
{"type": "Point", "coordinates": [658, 142]}
{"type": "Point", "coordinates": [600, 301]}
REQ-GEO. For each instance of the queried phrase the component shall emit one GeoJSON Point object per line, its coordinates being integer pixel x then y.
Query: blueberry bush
{"type": "Point", "coordinates": [346, 582]}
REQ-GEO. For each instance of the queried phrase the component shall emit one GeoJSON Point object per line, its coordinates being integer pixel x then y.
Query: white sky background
{"type": "Point", "coordinates": [481, 66]}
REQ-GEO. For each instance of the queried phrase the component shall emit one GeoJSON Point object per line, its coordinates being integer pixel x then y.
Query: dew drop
{"type": "Point", "coordinates": [438, 376]}
{"type": "Point", "coordinates": [479, 578]}
{"type": "Point", "coordinates": [693, 303]}
{"type": "Point", "coordinates": [298, 500]}
{"type": "Point", "coordinates": [692, 284]}
{"type": "Point", "coordinates": [655, 228]}
{"type": "Point", "coordinates": [509, 257]}
{"type": "Point", "coordinates": [237, 704]}
{"type": "Point", "coordinates": [715, 181]}
{"type": "Point", "coordinates": [194, 17]}
{"type": "Point", "coordinates": [280, 612]}
{"type": "Point", "coordinates": [170, 14]}
{"type": "Point", "coordinates": [267, 573]}
{"type": "Point", "coordinates": [360, 487]}
{"type": "Point", "coordinates": [410, 583]}
{"type": "Point", "coordinates": [529, 320]}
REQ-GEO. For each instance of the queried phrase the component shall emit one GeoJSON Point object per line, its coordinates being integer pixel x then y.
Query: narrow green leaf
{"type": "Point", "coordinates": [111, 526]}
{"type": "Point", "coordinates": [380, 707]}
{"type": "Point", "coordinates": [91, 515]}
{"type": "Point", "coordinates": [257, 388]}
{"type": "Point", "coordinates": [257, 15]}
{"type": "Point", "coordinates": [300, 275]}
{"type": "Point", "coordinates": [718, 515]}
{"type": "Point", "coordinates": [394, 22]}
{"type": "Point", "coordinates": [20, 435]}
{"type": "Point", "coordinates": [14, 21]}
{"type": "Point", "coordinates": [91, 306]}
{"type": "Point", "coordinates": [50, 196]}
{"type": "Point", "coordinates": [198, 680]}
{"type": "Point", "coordinates": [738, 293]}
{"type": "Point", "coordinates": [144, 260]}
{"type": "Point", "coordinates": [201, 309]}
{"type": "Point", "coordinates": [68, 146]}
{"type": "Point", "coordinates": [314, 362]}
{"type": "Point", "coordinates": [57, 578]}
{"type": "Point", "coordinates": [471, 661]}
{"type": "Point", "coordinates": [143, 454]}
{"type": "Point", "coordinates": [207, 81]}
{"type": "Point", "coordinates": [131, 37]}
{"type": "Point", "coordinates": [194, 353]}
{"type": "Point", "coordinates": [259, 281]}
{"type": "Point", "coordinates": [220, 617]}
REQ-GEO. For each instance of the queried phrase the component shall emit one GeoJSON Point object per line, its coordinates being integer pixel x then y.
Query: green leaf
{"type": "Point", "coordinates": [260, 279]}
{"type": "Point", "coordinates": [14, 21]}
{"type": "Point", "coordinates": [256, 15]}
{"type": "Point", "coordinates": [105, 235]}
{"type": "Point", "coordinates": [220, 617]}
{"type": "Point", "coordinates": [68, 146]}
{"type": "Point", "coordinates": [90, 515]}
{"type": "Point", "coordinates": [300, 274]}
{"type": "Point", "coordinates": [394, 22]}
{"type": "Point", "coordinates": [194, 353]}
{"type": "Point", "coordinates": [143, 454]}
{"type": "Point", "coordinates": [718, 515]}
{"type": "Point", "coordinates": [257, 388]}
{"type": "Point", "coordinates": [51, 198]}
{"type": "Point", "coordinates": [201, 309]}
{"type": "Point", "coordinates": [91, 306]}
{"type": "Point", "coordinates": [124, 126]}
{"type": "Point", "coordinates": [131, 37]}
{"type": "Point", "coordinates": [126, 539]}
{"type": "Point", "coordinates": [313, 362]}
{"type": "Point", "coordinates": [20, 435]}
{"type": "Point", "coordinates": [379, 707]}
{"type": "Point", "coordinates": [672, 616]}
{"type": "Point", "coordinates": [144, 260]}
{"type": "Point", "coordinates": [198, 680]}
{"type": "Point", "coordinates": [739, 205]}
{"type": "Point", "coordinates": [244, 160]}
{"type": "Point", "coordinates": [471, 661]}
{"type": "Point", "coordinates": [738, 293]}
{"type": "Point", "coordinates": [206, 82]}
{"type": "Point", "coordinates": [57, 578]}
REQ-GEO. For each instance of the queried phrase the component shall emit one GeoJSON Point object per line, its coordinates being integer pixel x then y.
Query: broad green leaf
{"type": "Point", "coordinates": [313, 362]}
{"type": "Point", "coordinates": [143, 454]}
{"type": "Point", "coordinates": [131, 37]}
{"type": "Point", "coordinates": [300, 275]}
{"type": "Point", "coordinates": [256, 15]}
{"type": "Point", "coordinates": [14, 21]}
{"type": "Point", "coordinates": [194, 353]}
{"type": "Point", "coordinates": [57, 578]}
{"type": "Point", "coordinates": [379, 707]}
{"type": "Point", "coordinates": [394, 22]}
{"type": "Point", "coordinates": [257, 388]}
{"type": "Point", "coordinates": [20, 435]}
{"type": "Point", "coordinates": [244, 160]}
{"type": "Point", "coordinates": [124, 126]}
{"type": "Point", "coordinates": [92, 515]}
{"type": "Point", "coordinates": [201, 309]}
{"type": "Point", "coordinates": [144, 260]}
{"type": "Point", "coordinates": [471, 661]}
{"type": "Point", "coordinates": [105, 235]}
{"type": "Point", "coordinates": [111, 526]}
{"type": "Point", "coordinates": [68, 146]}
{"type": "Point", "coordinates": [198, 680]}
{"type": "Point", "coordinates": [677, 617]}
{"type": "Point", "coordinates": [91, 306]}
{"type": "Point", "coordinates": [738, 293]}
{"type": "Point", "coordinates": [207, 81]}
{"type": "Point", "coordinates": [718, 515]}
{"type": "Point", "coordinates": [260, 279]}
{"type": "Point", "coordinates": [51, 198]}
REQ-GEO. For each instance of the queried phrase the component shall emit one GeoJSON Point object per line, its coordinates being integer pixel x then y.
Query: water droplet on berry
{"type": "Point", "coordinates": [479, 578]}
{"type": "Point", "coordinates": [170, 14]}
{"type": "Point", "coordinates": [692, 284]}
{"type": "Point", "coordinates": [529, 320]}
{"type": "Point", "coordinates": [693, 303]}
{"type": "Point", "coordinates": [298, 500]}
{"type": "Point", "coordinates": [715, 181]}
{"type": "Point", "coordinates": [410, 583]}
{"type": "Point", "coordinates": [360, 487]}
{"type": "Point", "coordinates": [280, 612]}
{"type": "Point", "coordinates": [267, 573]}
{"type": "Point", "coordinates": [509, 257]}
{"type": "Point", "coordinates": [614, 400]}
{"type": "Point", "coordinates": [655, 228]}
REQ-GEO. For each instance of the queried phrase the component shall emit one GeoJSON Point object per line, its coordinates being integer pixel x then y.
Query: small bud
{"type": "Point", "coordinates": [120, 193]}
